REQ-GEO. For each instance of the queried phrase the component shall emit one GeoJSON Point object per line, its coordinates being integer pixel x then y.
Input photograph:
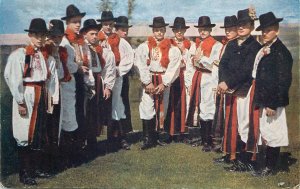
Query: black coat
{"type": "Point", "coordinates": [236, 65]}
{"type": "Point", "coordinates": [274, 77]}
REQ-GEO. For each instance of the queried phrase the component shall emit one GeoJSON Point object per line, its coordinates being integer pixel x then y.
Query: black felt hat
{"type": "Point", "coordinates": [229, 21]}
{"type": "Point", "coordinates": [204, 21]}
{"type": "Point", "coordinates": [37, 25]}
{"type": "Point", "coordinates": [72, 11]}
{"type": "Point", "coordinates": [106, 16]}
{"type": "Point", "coordinates": [158, 22]}
{"type": "Point", "coordinates": [56, 28]}
{"type": "Point", "coordinates": [179, 23]}
{"type": "Point", "coordinates": [90, 24]}
{"type": "Point", "coordinates": [122, 21]}
{"type": "Point", "coordinates": [267, 19]}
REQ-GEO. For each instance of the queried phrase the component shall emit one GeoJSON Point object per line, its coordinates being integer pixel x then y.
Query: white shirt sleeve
{"type": "Point", "coordinates": [127, 57]}
{"type": "Point", "coordinates": [52, 82]}
{"type": "Point", "coordinates": [72, 66]}
{"type": "Point", "coordinates": [173, 68]}
{"type": "Point", "coordinates": [141, 56]}
{"type": "Point", "coordinates": [13, 74]}
{"type": "Point", "coordinates": [109, 70]}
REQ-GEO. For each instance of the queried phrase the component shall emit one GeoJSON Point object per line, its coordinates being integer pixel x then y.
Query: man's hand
{"type": "Point", "coordinates": [160, 89]}
{"type": "Point", "coordinates": [22, 109]}
{"type": "Point", "coordinates": [222, 87]}
{"type": "Point", "coordinates": [270, 112]}
{"type": "Point", "coordinates": [149, 88]}
{"type": "Point", "coordinates": [83, 70]}
{"type": "Point", "coordinates": [106, 94]}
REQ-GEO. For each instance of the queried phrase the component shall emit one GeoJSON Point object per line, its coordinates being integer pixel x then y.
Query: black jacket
{"type": "Point", "coordinates": [236, 64]}
{"type": "Point", "coordinates": [274, 77]}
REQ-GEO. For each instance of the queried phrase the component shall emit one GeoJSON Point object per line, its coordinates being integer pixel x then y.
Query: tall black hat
{"type": "Point", "coordinates": [267, 19]}
{"type": "Point", "coordinates": [204, 21]}
{"type": "Point", "coordinates": [37, 25]}
{"type": "Point", "coordinates": [56, 28]}
{"type": "Point", "coordinates": [179, 23]}
{"type": "Point", "coordinates": [122, 21]}
{"type": "Point", "coordinates": [229, 21]}
{"type": "Point", "coordinates": [106, 16]}
{"type": "Point", "coordinates": [245, 16]}
{"type": "Point", "coordinates": [72, 11]}
{"type": "Point", "coordinates": [90, 24]}
{"type": "Point", "coordinates": [158, 22]}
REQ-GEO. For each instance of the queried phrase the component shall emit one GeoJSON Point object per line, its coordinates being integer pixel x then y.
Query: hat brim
{"type": "Point", "coordinates": [84, 29]}
{"type": "Point", "coordinates": [206, 26]}
{"type": "Point", "coordinates": [107, 19]}
{"type": "Point", "coordinates": [228, 26]}
{"type": "Point", "coordinates": [123, 26]}
{"type": "Point", "coordinates": [183, 27]}
{"type": "Point", "coordinates": [260, 27]}
{"type": "Point", "coordinates": [37, 31]}
{"type": "Point", "coordinates": [153, 26]}
{"type": "Point", "coordinates": [67, 17]}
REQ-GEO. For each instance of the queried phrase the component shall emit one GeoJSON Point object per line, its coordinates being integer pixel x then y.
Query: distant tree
{"type": "Point", "coordinates": [131, 6]}
{"type": "Point", "coordinates": [106, 5]}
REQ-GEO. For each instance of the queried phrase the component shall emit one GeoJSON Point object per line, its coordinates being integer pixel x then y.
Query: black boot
{"type": "Point", "coordinates": [41, 162]}
{"type": "Point", "coordinates": [25, 173]}
{"type": "Point", "coordinates": [123, 141]}
{"type": "Point", "coordinates": [224, 159]}
{"type": "Point", "coordinates": [148, 134]}
{"type": "Point", "coordinates": [113, 144]}
{"type": "Point", "coordinates": [272, 156]}
{"type": "Point", "coordinates": [206, 136]}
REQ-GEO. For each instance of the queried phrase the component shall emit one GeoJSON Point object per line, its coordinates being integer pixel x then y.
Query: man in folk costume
{"type": "Point", "coordinates": [73, 91]}
{"type": "Point", "coordinates": [29, 72]}
{"type": "Point", "coordinates": [272, 73]}
{"type": "Point", "coordinates": [55, 36]}
{"type": "Point", "coordinates": [124, 57]}
{"type": "Point", "coordinates": [179, 97]}
{"type": "Point", "coordinates": [205, 51]}
{"type": "Point", "coordinates": [125, 65]}
{"type": "Point", "coordinates": [235, 80]}
{"type": "Point", "coordinates": [230, 26]}
{"type": "Point", "coordinates": [102, 63]}
{"type": "Point", "coordinates": [159, 65]}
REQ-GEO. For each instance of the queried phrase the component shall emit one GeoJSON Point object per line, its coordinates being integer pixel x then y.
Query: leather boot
{"type": "Point", "coordinates": [112, 136]}
{"type": "Point", "coordinates": [123, 141]}
{"type": "Point", "coordinates": [25, 173]}
{"type": "Point", "coordinates": [272, 156]}
{"type": "Point", "coordinates": [206, 136]}
{"type": "Point", "coordinates": [148, 134]}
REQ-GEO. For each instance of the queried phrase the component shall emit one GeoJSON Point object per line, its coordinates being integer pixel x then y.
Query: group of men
{"type": "Point", "coordinates": [68, 83]}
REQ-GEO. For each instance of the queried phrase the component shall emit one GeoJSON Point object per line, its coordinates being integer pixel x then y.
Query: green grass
{"type": "Point", "coordinates": [173, 166]}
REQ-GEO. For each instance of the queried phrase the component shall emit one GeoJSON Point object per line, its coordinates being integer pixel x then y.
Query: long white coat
{"type": "Point", "coordinates": [13, 75]}
{"type": "Point", "coordinates": [146, 108]}
{"type": "Point", "coordinates": [208, 83]}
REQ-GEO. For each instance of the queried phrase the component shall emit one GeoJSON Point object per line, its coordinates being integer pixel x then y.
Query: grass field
{"type": "Point", "coordinates": [173, 166]}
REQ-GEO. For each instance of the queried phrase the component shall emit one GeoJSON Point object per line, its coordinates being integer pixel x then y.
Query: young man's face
{"type": "Point", "coordinates": [179, 33]}
{"type": "Point", "coordinates": [122, 32]}
{"type": "Point", "coordinates": [204, 32]}
{"type": "Point", "coordinates": [37, 39]}
{"type": "Point", "coordinates": [159, 33]}
{"type": "Point", "coordinates": [269, 33]}
{"type": "Point", "coordinates": [108, 26]}
{"type": "Point", "coordinates": [91, 36]}
{"type": "Point", "coordinates": [245, 29]}
{"type": "Point", "coordinates": [56, 40]}
{"type": "Point", "coordinates": [74, 23]}
{"type": "Point", "coordinates": [231, 32]}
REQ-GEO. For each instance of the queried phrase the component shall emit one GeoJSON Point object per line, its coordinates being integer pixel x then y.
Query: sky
{"type": "Point", "coordinates": [15, 15]}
